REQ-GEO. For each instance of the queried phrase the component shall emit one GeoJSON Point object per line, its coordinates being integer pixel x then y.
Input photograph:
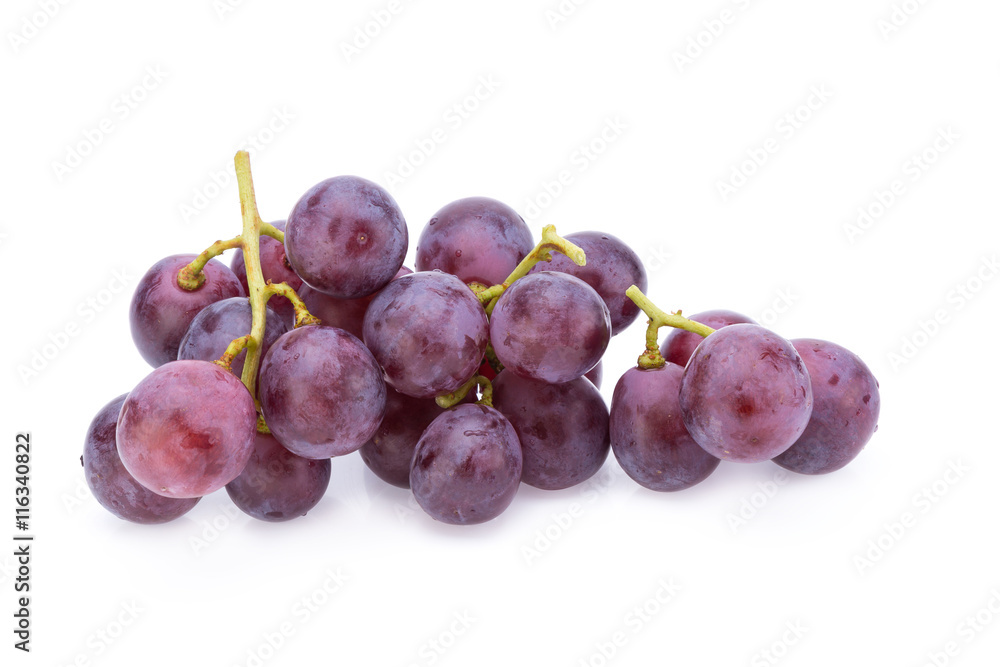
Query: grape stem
{"type": "Point", "coordinates": [191, 276]}
{"type": "Point", "coordinates": [652, 358]}
{"type": "Point", "coordinates": [541, 253]}
{"type": "Point", "coordinates": [454, 398]}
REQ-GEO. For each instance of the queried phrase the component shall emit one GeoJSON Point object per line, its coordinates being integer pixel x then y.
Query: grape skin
{"type": "Point", "coordinates": [346, 237]}
{"type": "Point", "coordinates": [596, 374]}
{"type": "Point", "coordinates": [275, 268]}
{"type": "Point", "coordinates": [745, 395]}
{"type": "Point", "coordinates": [562, 428]}
{"type": "Point", "coordinates": [550, 326]}
{"type": "Point", "coordinates": [612, 267]}
{"type": "Point", "coordinates": [389, 452]}
{"type": "Point", "coordinates": [477, 239]}
{"type": "Point", "coordinates": [187, 429]}
{"type": "Point", "coordinates": [467, 465]}
{"type": "Point", "coordinates": [277, 485]}
{"type": "Point", "coordinates": [428, 332]}
{"type": "Point", "coordinates": [112, 485]}
{"type": "Point", "coordinates": [648, 436]}
{"type": "Point", "coordinates": [161, 310]}
{"type": "Point", "coordinates": [846, 404]}
{"type": "Point", "coordinates": [219, 324]}
{"type": "Point", "coordinates": [680, 344]}
{"type": "Point", "coordinates": [321, 392]}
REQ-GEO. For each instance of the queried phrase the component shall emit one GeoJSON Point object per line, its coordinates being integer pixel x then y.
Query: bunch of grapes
{"type": "Point", "coordinates": [476, 372]}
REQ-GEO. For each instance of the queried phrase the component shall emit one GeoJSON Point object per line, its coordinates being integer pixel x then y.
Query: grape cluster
{"type": "Point", "coordinates": [461, 380]}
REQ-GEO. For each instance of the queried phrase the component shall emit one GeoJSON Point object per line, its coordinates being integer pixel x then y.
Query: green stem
{"type": "Point", "coordinates": [454, 398]}
{"type": "Point", "coordinates": [255, 277]}
{"type": "Point", "coordinates": [652, 358]}
{"type": "Point", "coordinates": [191, 277]}
{"type": "Point", "coordinates": [542, 253]}
{"type": "Point", "coordinates": [302, 315]}
{"type": "Point", "coordinates": [267, 229]}
{"type": "Point", "coordinates": [232, 351]}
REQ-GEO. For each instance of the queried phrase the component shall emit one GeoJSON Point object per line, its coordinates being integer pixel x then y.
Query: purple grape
{"type": "Point", "coordinates": [277, 485]}
{"type": "Point", "coordinates": [428, 332]}
{"type": "Point", "coordinates": [562, 428]}
{"type": "Point", "coordinates": [612, 267]}
{"type": "Point", "coordinates": [596, 374]}
{"type": "Point", "coordinates": [187, 429]}
{"type": "Point", "coordinates": [467, 465]}
{"type": "Point", "coordinates": [550, 326]}
{"type": "Point", "coordinates": [113, 486]}
{"type": "Point", "coordinates": [390, 450]}
{"type": "Point", "coordinates": [648, 436]}
{"type": "Point", "coordinates": [680, 344]}
{"type": "Point", "coordinates": [219, 324]}
{"type": "Point", "coordinates": [845, 410]}
{"type": "Point", "coordinates": [161, 310]}
{"type": "Point", "coordinates": [745, 395]}
{"type": "Point", "coordinates": [346, 237]}
{"type": "Point", "coordinates": [321, 392]}
{"type": "Point", "coordinates": [346, 314]}
{"type": "Point", "coordinates": [477, 239]}
{"type": "Point", "coordinates": [276, 269]}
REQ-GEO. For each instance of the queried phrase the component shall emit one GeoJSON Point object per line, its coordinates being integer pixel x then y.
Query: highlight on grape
{"type": "Point", "coordinates": [463, 379]}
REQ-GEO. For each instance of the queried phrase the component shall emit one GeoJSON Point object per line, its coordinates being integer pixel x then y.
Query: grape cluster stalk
{"type": "Point", "coordinates": [461, 380]}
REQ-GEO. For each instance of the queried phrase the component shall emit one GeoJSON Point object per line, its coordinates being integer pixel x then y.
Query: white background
{"type": "Point", "coordinates": [881, 563]}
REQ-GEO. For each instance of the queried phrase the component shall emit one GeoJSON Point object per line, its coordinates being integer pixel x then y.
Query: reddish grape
{"type": "Point", "coordinates": [187, 429]}
{"type": "Point", "coordinates": [562, 428]}
{"type": "Point", "coordinates": [648, 436]}
{"type": "Point", "coordinates": [612, 267]}
{"type": "Point", "coordinates": [477, 239]}
{"type": "Point", "coordinates": [113, 486]}
{"type": "Point", "coordinates": [161, 310]}
{"type": "Point", "coordinates": [321, 392]}
{"type": "Point", "coordinates": [680, 344]}
{"type": "Point", "coordinates": [550, 326]}
{"type": "Point", "coordinates": [428, 332]}
{"type": "Point", "coordinates": [846, 405]}
{"type": "Point", "coordinates": [346, 237]}
{"type": "Point", "coordinates": [746, 394]}
{"type": "Point", "coordinates": [467, 465]}
{"type": "Point", "coordinates": [390, 450]}
{"type": "Point", "coordinates": [277, 485]}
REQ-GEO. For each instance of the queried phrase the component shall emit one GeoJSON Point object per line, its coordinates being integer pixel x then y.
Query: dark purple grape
{"type": "Point", "coordinates": [680, 344]}
{"type": "Point", "coordinates": [346, 237]}
{"type": "Point", "coordinates": [648, 436]}
{"type": "Point", "coordinates": [428, 331]}
{"type": "Point", "coordinates": [390, 450]}
{"type": "Point", "coordinates": [477, 239]}
{"type": "Point", "coordinates": [219, 324]}
{"type": "Point", "coordinates": [746, 394]}
{"type": "Point", "coordinates": [113, 486]}
{"type": "Point", "coordinates": [161, 310]}
{"type": "Point", "coordinates": [277, 485]}
{"type": "Point", "coordinates": [346, 314]}
{"type": "Point", "coordinates": [612, 267]}
{"type": "Point", "coordinates": [321, 392]}
{"type": "Point", "coordinates": [596, 374]}
{"type": "Point", "coordinates": [276, 269]}
{"type": "Point", "coordinates": [187, 429]}
{"type": "Point", "coordinates": [562, 428]}
{"type": "Point", "coordinates": [550, 326]}
{"type": "Point", "coordinates": [467, 465]}
{"type": "Point", "coordinates": [846, 405]}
